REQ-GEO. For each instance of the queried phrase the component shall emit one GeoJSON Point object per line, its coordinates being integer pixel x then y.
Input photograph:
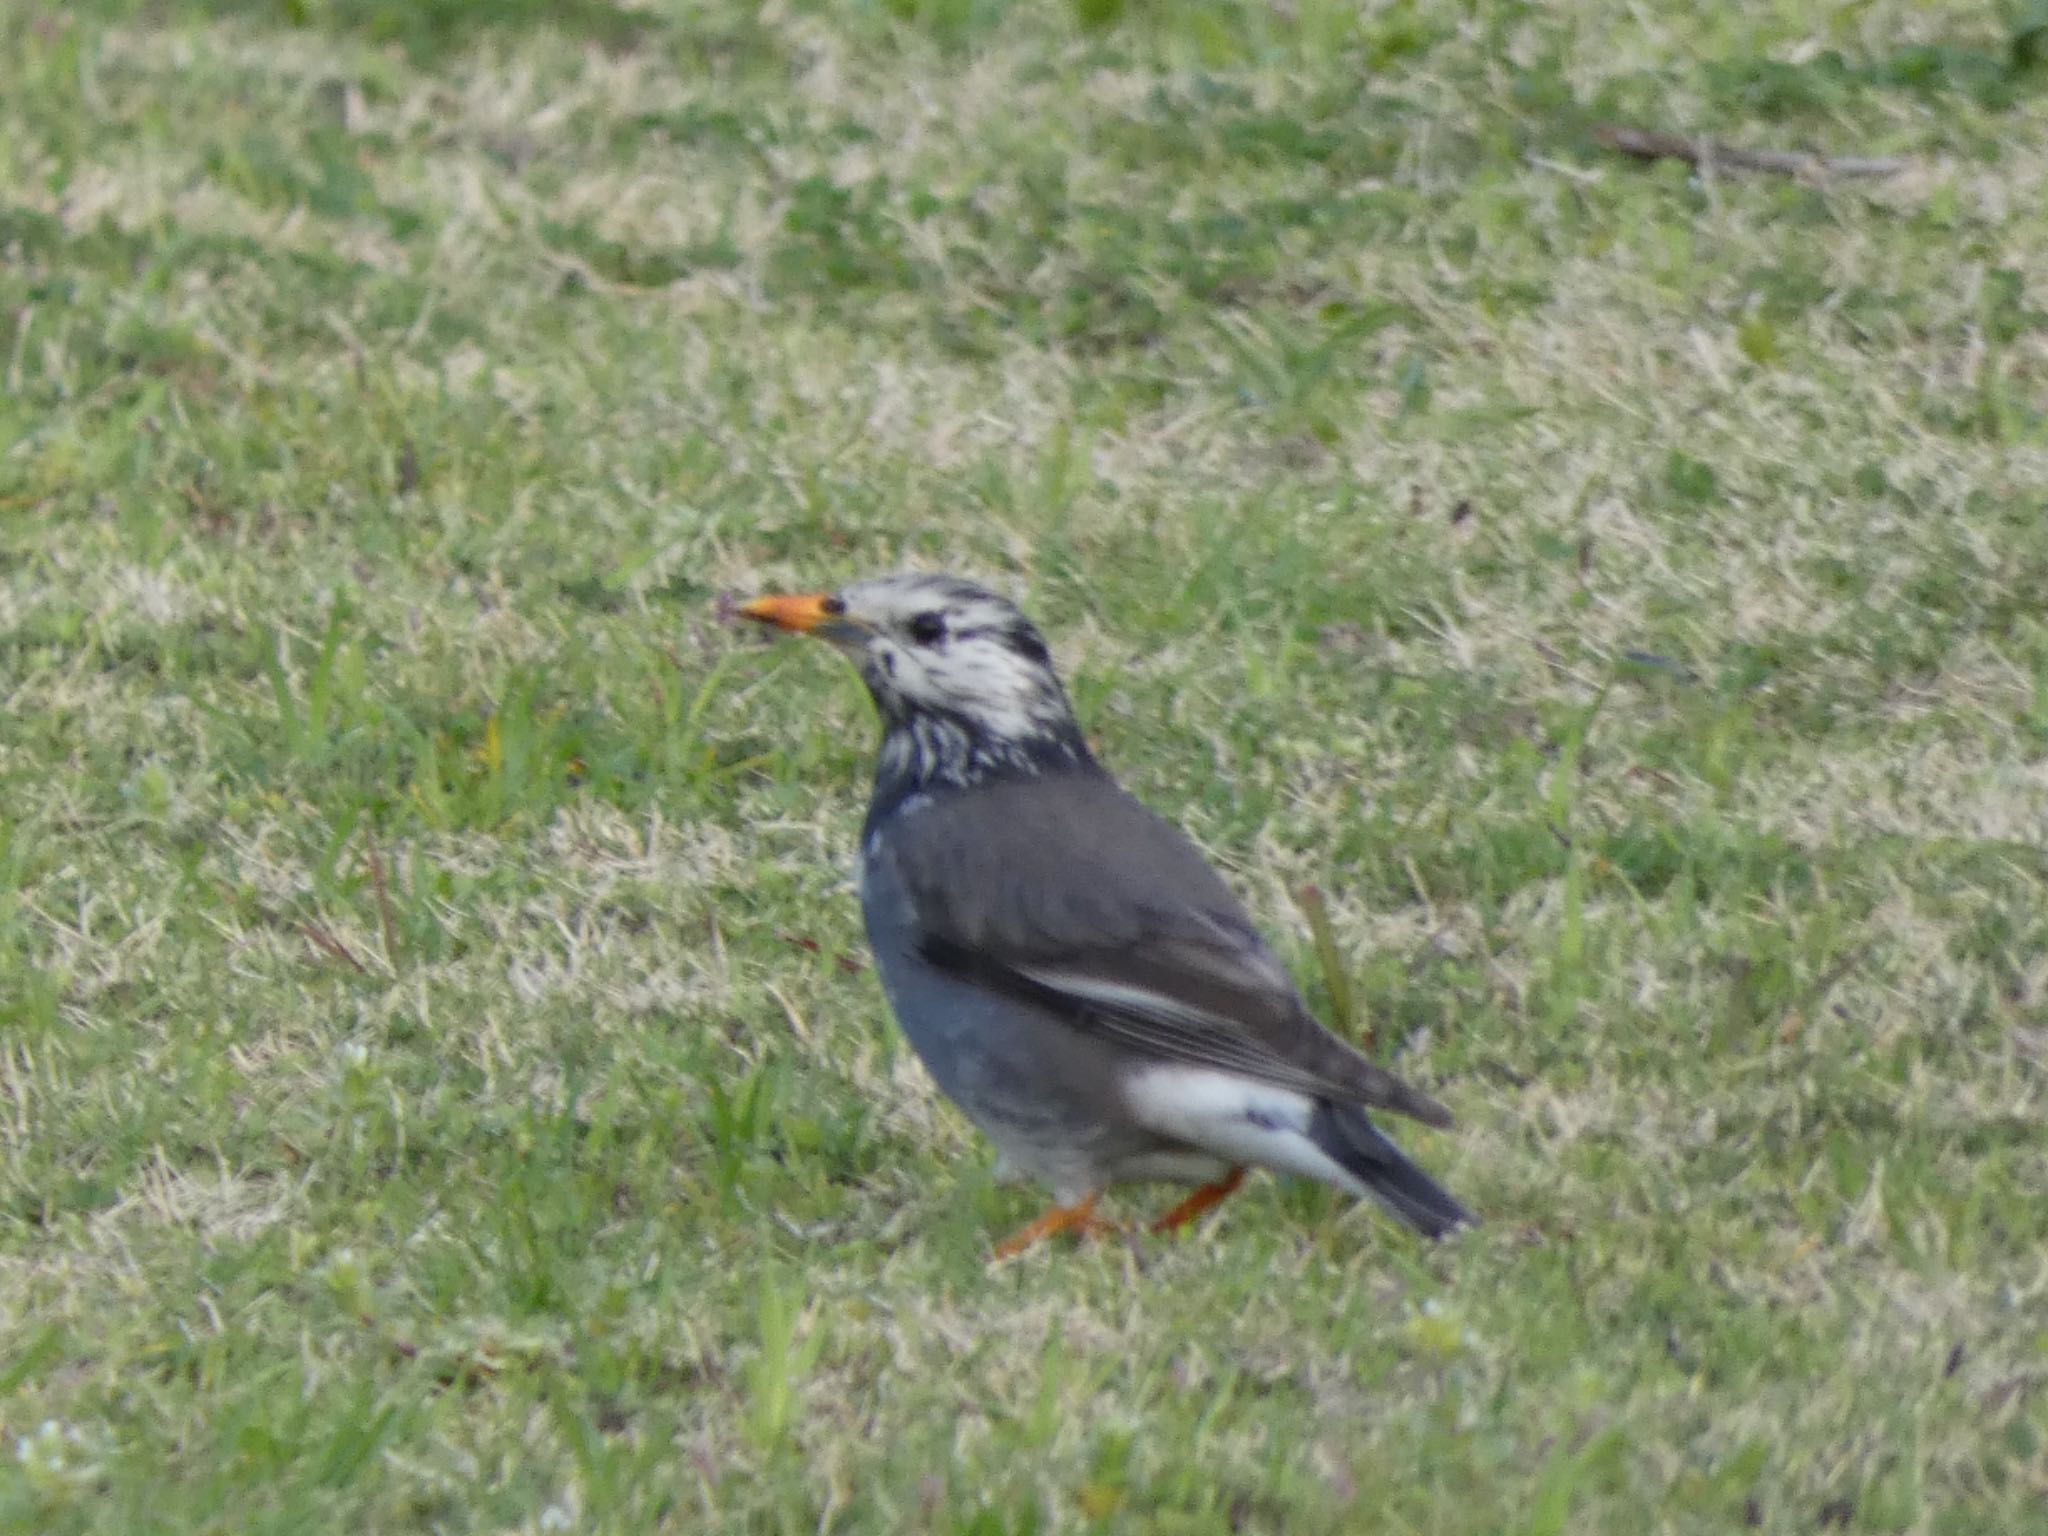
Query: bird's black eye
{"type": "Point", "coordinates": [833, 606]}
{"type": "Point", "coordinates": [928, 628]}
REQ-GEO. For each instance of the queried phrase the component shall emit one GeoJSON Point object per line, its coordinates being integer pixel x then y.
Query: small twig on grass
{"type": "Point", "coordinates": [797, 1024]}
{"type": "Point", "coordinates": [332, 947]}
{"type": "Point", "coordinates": [1710, 155]}
{"type": "Point", "coordinates": [383, 893]}
{"type": "Point", "coordinates": [1794, 1021]}
{"type": "Point", "coordinates": [1342, 1013]}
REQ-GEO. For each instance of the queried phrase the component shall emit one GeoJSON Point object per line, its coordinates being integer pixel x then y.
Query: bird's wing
{"type": "Point", "coordinates": [1067, 890]}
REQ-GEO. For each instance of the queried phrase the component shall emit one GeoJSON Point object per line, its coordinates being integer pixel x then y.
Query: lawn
{"type": "Point", "coordinates": [441, 1087]}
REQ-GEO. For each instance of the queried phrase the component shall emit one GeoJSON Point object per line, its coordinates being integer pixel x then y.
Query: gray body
{"type": "Point", "coordinates": [1048, 1096]}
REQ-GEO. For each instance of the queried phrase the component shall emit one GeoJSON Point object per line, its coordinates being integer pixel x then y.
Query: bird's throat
{"type": "Point", "coordinates": [934, 749]}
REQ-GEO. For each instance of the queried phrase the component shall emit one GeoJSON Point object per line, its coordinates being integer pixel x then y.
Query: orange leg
{"type": "Point", "coordinates": [1200, 1201]}
{"type": "Point", "coordinates": [1078, 1218]}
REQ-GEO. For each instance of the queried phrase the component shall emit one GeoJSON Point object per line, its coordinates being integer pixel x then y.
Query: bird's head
{"type": "Point", "coordinates": [962, 680]}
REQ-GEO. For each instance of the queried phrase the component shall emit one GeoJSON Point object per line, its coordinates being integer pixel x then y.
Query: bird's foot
{"type": "Point", "coordinates": [1078, 1218]}
{"type": "Point", "coordinates": [1199, 1201]}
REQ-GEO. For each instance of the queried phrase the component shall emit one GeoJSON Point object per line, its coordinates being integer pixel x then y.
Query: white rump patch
{"type": "Point", "coordinates": [1238, 1119]}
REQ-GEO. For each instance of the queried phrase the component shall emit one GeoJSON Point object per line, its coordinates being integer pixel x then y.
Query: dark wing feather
{"type": "Point", "coordinates": [1069, 891]}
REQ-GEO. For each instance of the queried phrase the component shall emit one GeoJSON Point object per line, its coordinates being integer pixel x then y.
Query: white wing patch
{"type": "Point", "coordinates": [1091, 988]}
{"type": "Point", "coordinates": [1235, 1118]}
{"type": "Point", "coordinates": [1169, 1028]}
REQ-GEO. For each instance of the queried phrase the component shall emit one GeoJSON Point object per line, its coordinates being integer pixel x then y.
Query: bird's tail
{"type": "Point", "coordinates": [1347, 1136]}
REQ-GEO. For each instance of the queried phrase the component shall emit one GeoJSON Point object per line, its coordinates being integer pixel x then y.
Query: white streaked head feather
{"type": "Point", "coordinates": [941, 645]}
{"type": "Point", "coordinates": [963, 682]}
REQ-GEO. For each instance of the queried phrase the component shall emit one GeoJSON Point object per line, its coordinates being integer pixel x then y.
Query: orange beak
{"type": "Point", "coordinates": [802, 614]}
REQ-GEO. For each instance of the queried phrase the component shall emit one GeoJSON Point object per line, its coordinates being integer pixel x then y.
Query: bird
{"type": "Point", "coordinates": [1070, 969]}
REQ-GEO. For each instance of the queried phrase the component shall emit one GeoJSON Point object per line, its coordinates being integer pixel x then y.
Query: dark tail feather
{"type": "Point", "coordinates": [1355, 1143]}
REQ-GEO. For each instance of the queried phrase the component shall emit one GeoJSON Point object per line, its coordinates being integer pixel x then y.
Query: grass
{"type": "Point", "coordinates": [439, 1083]}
